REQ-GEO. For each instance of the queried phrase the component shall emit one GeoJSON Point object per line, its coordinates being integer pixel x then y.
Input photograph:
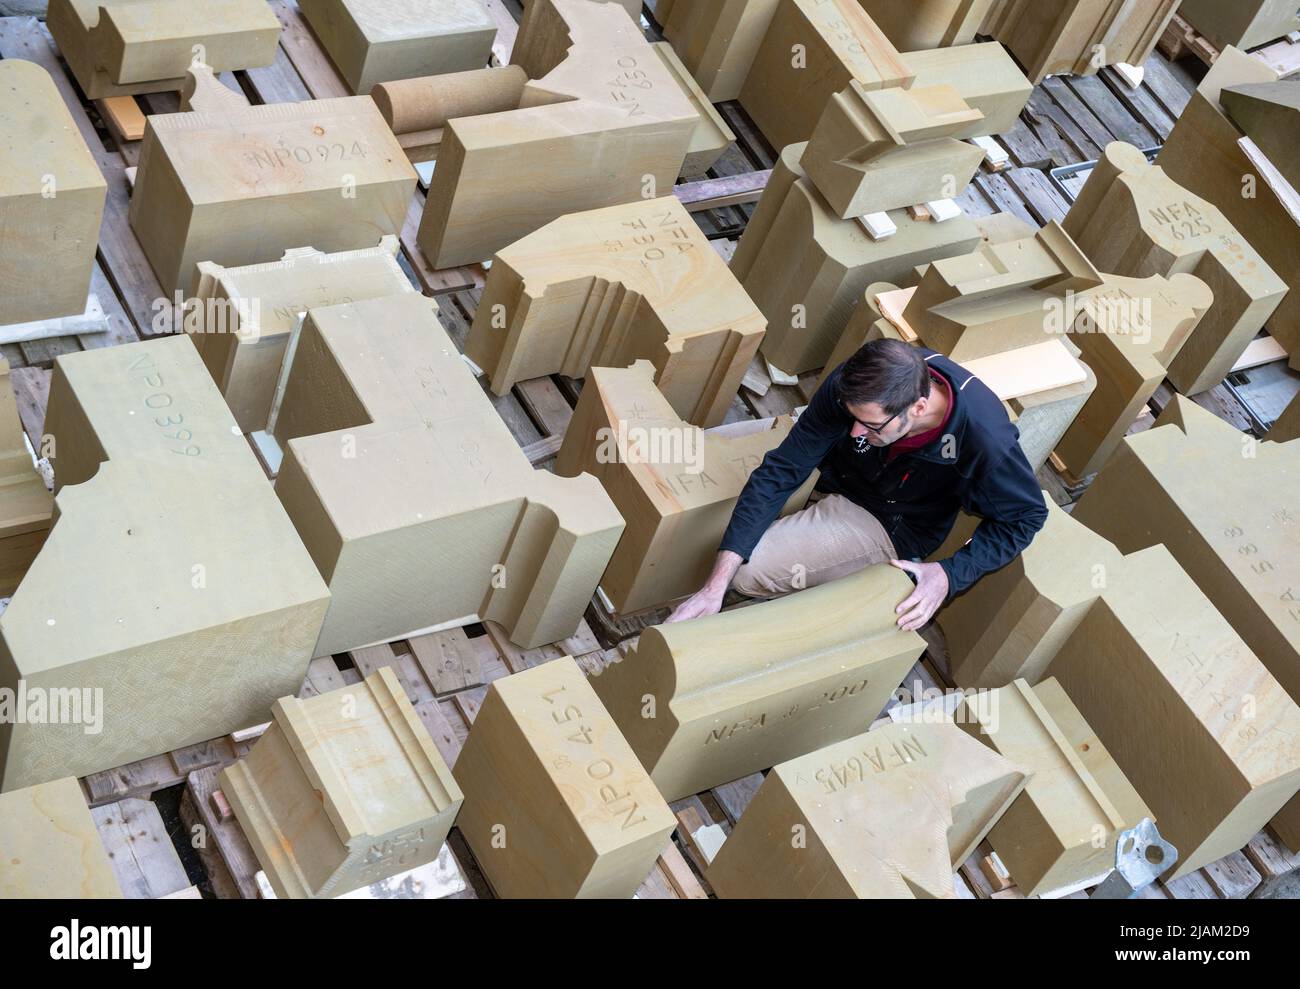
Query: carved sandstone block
{"type": "Point", "coordinates": [242, 316]}
{"type": "Point", "coordinates": [1208, 154]}
{"type": "Point", "coordinates": [1246, 25]}
{"type": "Point", "coordinates": [1184, 706]}
{"type": "Point", "coordinates": [885, 815]}
{"type": "Point", "coordinates": [882, 150]}
{"type": "Point", "coordinates": [1061, 831]}
{"type": "Point", "coordinates": [743, 690]}
{"type": "Point", "coordinates": [374, 41]}
{"type": "Point", "coordinates": [600, 118]}
{"type": "Point", "coordinates": [556, 803]}
{"type": "Point", "coordinates": [122, 47]}
{"type": "Point", "coordinates": [50, 846]}
{"type": "Point", "coordinates": [215, 605]}
{"type": "Point", "coordinates": [674, 483]}
{"type": "Point", "coordinates": [928, 23]}
{"type": "Point", "coordinates": [343, 790]}
{"type": "Point", "coordinates": [1077, 37]}
{"type": "Point", "coordinates": [51, 200]}
{"type": "Point", "coordinates": [1237, 537]}
{"type": "Point", "coordinates": [717, 39]}
{"type": "Point", "coordinates": [413, 497]}
{"type": "Point", "coordinates": [806, 268]}
{"type": "Point", "coordinates": [609, 287]}
{"type": "Point", "coordinates": [243, 186]}
{"type": "Point", "coordinates": [1132, 219]}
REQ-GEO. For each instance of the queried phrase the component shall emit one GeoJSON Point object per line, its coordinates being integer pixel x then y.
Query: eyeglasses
{"type": "Point", "coordinates": [875, 429]}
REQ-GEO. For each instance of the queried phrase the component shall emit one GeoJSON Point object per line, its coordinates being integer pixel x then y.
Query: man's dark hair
{"type": "Point", "coordinates": [888, 372]}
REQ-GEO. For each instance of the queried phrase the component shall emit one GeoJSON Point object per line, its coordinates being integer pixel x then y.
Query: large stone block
{"type": "Point", "coordinates": [1246, 24]}
{"type": "Point", "coordinates": [343, 790]}
{"type": "Point", "coordinates": [121, 47]}
{"type": "Point", "coordinates": [1237, 536]}
{"type": "Point", "coordinates": [674, 483]}
{"type": "Point", "coordinates": [601, 120]}
{"type": "Point", "coordinates": [1269, 114]}
{"type": "Point", "coordinates": [413, 497]}
{"type": "Point", "coordinates": [50, 846]}
{"type": "Point", "coordinates": [873, 151]}
{"type": "Point", "coordinates": [1062, 830]}
{"type": "Point", "coordinates": [708, 701]}
{"type": "Point", "coordinates": [374, 41]}
{"type": "Point", "coordinates": [1131, 219]}
{"type": "Point", "coordinates": [556, 803]}
{"type": "Point", "coordinates": [242, 317]}
{"type": "Point", "coordinates": [928, 23]}
{"type": "Point", "coordinates": [1207, 154]}
{"type": "Point", "coordinates": [242, 186]}
{"type": "Point", "coordinates": [611, 286]}
{"type": "Point", "coordinates": [172, 580]}
{"type": "Point", "coordinates": [717, 39]}
{"type": "Point", "coordinates": [1077, 37]}
{"type": "Point", "coordinates": [885, 815]}
{"type": "Point", "coordinates": [806, 268]}
{"type": "Point", "coordinates": [1184, 706]}
{"type": "Point", "coordinates": [51, 200]}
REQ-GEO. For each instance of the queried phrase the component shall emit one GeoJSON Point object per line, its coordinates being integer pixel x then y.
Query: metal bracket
{"type": "Point", "coordinates": [1141, 857]}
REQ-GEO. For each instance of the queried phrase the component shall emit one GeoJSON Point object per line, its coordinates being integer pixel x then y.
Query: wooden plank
{"type": "Point", "coordinates": [226, 838]}
{"type": "Point", "coordinates": [307, 55]}
{"type": "Point", "coordinates": [140, 850]}
{"type": "Point", "coordinates": [32, 392]}
{"type": "Point", "coordinates": [1172, 88]}
{"type": "Point", "coordinates": [136, 779]}
{"type": "Point", "coordinates": [1025, 148]}
{"type": "Point", "coordinates": [679, 874]}
{"type": "Point", "coordinates": [1041, 197]}
{"type": "Point", "coordinates": [735, 796]}
{"type": "Point", "coordinates": [1081, 114]}
{"type": "Point", "coordinates": [278, 82]}
{"type": "Point", "coordinates": [468, 703]}
{"type": "Point", "coordinates": [1233, 877]}
{"type": "Point", "coordinates": [1270, 856]}
{"type": "Point", "coordinates": [123, 116]}
{"type": "Point", "coordinates": [1141, 102]}
{"type": "Point", "coordinates": [1113, 114]}
{"type": "Point", "coordinates": [729, 190]}
{"type": "Point", "coordinates": [1066, 142]}
{"type": "Point", "coordinates": [448, 659]}
{"type": "Point", "coordinates": [440, 729]}
{"type": "Point", "coordinates": [1193, 886]}
{"type": "Point", "coordinates": [545, 404]}
{"type": "Point", "coordinates": [1000, 192]}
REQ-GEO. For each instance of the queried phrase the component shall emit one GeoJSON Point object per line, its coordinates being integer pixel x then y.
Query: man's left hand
{"type": "Point", "coordinates": [931, 591]}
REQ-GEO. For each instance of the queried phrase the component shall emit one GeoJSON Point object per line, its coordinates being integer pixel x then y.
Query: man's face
{"type": "Point", "coordinates": [889, 428]}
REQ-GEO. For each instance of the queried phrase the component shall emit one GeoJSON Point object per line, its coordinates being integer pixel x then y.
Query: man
{"type": "Point", "coordinates": [904, 438]}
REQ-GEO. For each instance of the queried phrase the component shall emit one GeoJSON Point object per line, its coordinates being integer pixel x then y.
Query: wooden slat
{"type": "Point", "coordinates": [141, 852]}
{"type": "Point", "coordinates": [306, 54]}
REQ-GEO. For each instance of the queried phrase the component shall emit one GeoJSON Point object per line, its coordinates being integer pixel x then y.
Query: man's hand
{"type": "Point", "coordinates": [708, 599]}
{"type": "Point", "coordinates": [931, 591]}
{"type": "Point", "coordinates": [705, 601]}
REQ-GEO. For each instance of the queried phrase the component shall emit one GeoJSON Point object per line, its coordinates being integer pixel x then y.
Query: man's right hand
{"type": "Point", "coordinates": [708, 599]}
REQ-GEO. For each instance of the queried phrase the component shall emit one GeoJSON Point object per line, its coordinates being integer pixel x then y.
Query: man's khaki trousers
{"type": "Point", "coordinates": [831, 538]}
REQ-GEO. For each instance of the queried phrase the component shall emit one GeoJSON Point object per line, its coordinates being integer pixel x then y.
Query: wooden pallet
{"type": "Point", "coordinates": [1181, 38]}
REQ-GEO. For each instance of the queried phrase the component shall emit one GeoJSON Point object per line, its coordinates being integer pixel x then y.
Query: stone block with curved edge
{"type": "Point", "coordinates": [707, 701]}
{"type": "Point", "coordinates": [413, 497]}
{"type": "Point", "coordinates": [601, 122]}
{"type": "Point", "coordinates": [172, 579]}
{"type": "Point", "coordinates": [674, 483]}
{"type": "Point", "coordinates": [50, 846]}
{"type": "Point", "coordinates": [343, 790]}
{"type": "Point", "coordinates": [611, 286]}
{"type": "Point", "coordinates": [124, 47]}
{"type": "Point", "coordinates": [888, 814]}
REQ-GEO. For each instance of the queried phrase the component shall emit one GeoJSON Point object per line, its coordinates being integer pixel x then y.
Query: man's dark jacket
{"type": "Point", "coordinates": [976, 465]}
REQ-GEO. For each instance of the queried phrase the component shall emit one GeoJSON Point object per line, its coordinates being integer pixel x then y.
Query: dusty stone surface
{"type": "Point", "coordinates": [23, 8]}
